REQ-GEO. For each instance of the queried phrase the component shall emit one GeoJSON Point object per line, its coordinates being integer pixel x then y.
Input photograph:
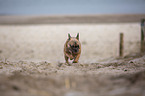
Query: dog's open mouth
{"type": "Point", "coordinates": [75, 50]}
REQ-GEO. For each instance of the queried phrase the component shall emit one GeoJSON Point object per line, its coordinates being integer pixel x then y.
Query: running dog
{"type": "Point", "coordinates": [72, 49]}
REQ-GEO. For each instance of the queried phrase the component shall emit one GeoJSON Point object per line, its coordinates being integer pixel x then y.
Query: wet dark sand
{"type": "Point", "coordinates": [65, 19]}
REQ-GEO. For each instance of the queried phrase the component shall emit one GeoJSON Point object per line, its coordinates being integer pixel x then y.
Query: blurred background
{"type": "Point", "coordinates": [37, 29]}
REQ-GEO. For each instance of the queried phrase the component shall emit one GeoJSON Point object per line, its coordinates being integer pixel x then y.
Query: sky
{"type": "Point", "coordinates": [71, 7]}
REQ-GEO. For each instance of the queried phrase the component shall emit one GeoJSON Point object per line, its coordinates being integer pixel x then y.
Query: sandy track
{"type": "Point", "coordinates": [115, 78]}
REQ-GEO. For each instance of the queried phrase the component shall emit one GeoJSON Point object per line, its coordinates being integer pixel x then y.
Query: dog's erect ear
{"type": "Point", "coordinates": [69, 36]}
{"type": "Point", "coordinates": [77, 37]}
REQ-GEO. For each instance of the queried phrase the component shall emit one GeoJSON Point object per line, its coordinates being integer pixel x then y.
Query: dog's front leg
{"type": "Point", "coordinates": [66, 59]}
{"type": "Point", "coordinates": [76, 58]}
{"type": "Point", "coordinates": [70, 56]}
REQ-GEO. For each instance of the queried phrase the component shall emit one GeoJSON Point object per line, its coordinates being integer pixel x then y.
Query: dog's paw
{"type": "Point", "coordinates": [71, 57]}
{"type": "Point", "coordinates": [75, 61]}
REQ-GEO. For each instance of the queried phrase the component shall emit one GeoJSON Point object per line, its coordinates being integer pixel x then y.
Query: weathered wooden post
{"type": "Point", "coordinates": [121, 45]}
{"type": "Point", "coordinates": [142, 35]}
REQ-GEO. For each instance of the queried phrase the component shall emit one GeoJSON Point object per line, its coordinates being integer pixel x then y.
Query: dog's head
{"type": "Point", "coordinates": [73, 44]}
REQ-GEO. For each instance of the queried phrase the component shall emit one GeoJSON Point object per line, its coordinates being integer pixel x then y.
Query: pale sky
{"type": "Point", "coordinates": [54, 7]}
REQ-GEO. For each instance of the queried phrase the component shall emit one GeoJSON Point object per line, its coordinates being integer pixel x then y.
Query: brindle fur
{"type": "Point", "coordinates": [72, 49]}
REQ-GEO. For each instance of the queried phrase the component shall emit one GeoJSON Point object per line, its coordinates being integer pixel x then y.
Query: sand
{"type": "Point", "coordinates": [46, 42]}
{"type": "Point", "coordinates": [32, 61]}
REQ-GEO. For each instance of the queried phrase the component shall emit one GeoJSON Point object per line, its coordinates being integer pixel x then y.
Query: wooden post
{"type": "Point", "coordinates": [142, 35]}
{"type": "Point", "coordinates": [121, 45]}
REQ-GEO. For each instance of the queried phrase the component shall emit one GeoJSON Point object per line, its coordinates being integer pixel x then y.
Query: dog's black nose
{"type": "Point", "coordinates": [76, 50]}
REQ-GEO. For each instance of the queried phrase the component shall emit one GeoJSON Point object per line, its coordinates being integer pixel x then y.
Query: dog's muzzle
{"type": "Point", "coordinates": [74, 49]}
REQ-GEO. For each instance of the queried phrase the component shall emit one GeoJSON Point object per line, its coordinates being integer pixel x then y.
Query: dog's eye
{"type": "Point", "coordinates": [77, 46]}
{"type": "Point", "coordinates": [73, 46]}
